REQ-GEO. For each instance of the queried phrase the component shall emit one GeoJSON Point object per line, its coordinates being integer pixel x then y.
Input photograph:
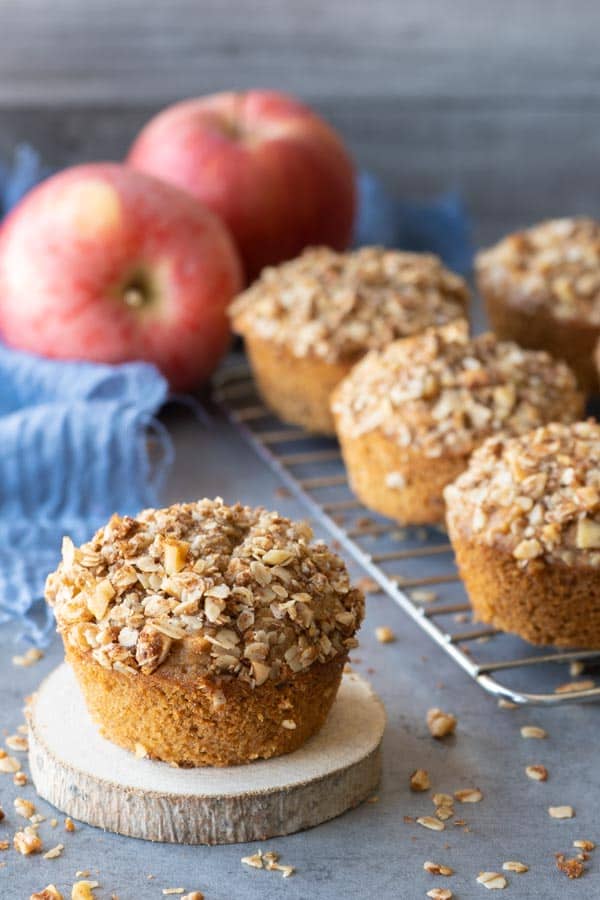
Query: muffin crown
{"type": "Point", "coordinates": [537, 494]}
{"type": "Point", "coordinates": [554, 265]}
{"type": "Point", "coordinates": [444, 392]}
{"type": "Point", "coordinates": [336, 306]}
{"type": "Point", "coordinates": [243, 590]}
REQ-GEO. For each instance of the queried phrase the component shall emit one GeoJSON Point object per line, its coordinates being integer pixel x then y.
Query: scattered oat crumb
{"type": "Point", "coordinates": [288, 724]}
{"type": "Point", "coordinates": [255, 860]}
{"type": "Point", "coordinates": [572, 868]}
{"type": "Point", "coordinates": [140, 751]}
{"type": "Point", "coordinates": [440, 723]}
{"type": "Point", "coordinates": [30, 657]}
{"type": "Point", "coordinates": [268, 860]}
{"type": "Point", "coordinates": [503, 703]}
{"type": "Point", "coordinates": [513, 866]}
{"type": "Point", "coordinates": [384, 634]}
{"type": "Point", "coordinates": [561, 812]}
{"type": "Point", "coordinates": [50, 892]}
{"type": "Point", "coordinates": [443, 800]}
{"type": "Point", "coordinates": [584, 845]}
{"type": "Point", "coordinates": [24, 808]}
{"type": "Point", "coordinates": [576, 668]}
{"type": "Point", "coordinates": [537, 772]}
{"type": "Point", "coordinates": [173, 891]}
{"type": "Point", "coordinates": [9, 765]}
{"type": "Point", "coordinates": [533, 731]}
{"type": "Point", "coordinates": [83, 890]}
{"type": "Point", "coordinates": [82, 873]}
{"type": "Point", "coordinates": [421, 596]}
{"type": "Point", "coordinates": [437, 868]}
{"type": "Point", "coordinates": [419, 780]}
{"type": "Point", "coordinates": [440, 894]}
{"type": "Point", "coordinates": [431, 823]}
{"type": "Point", "coordinates": [27, 841]}
{"type": "Point", "coordinates": [20, 779]}
{"type": "Point", "coordinates": [16, 742]}
{"type": "Point", "coordinates": [468, 795]}
{"type": "Point", "coordinates": [444, 812]}
{"type": "Point", "coordinates": [584, 685]}
{"type": "Point", "coordinates": [53, 823]}
{"type": "Point", "coordinates": [493, 881]}
{"type": "Point", "coordinates": [69, 824]}
{"type": "Point", "coordinates": [4, 845]}
{"type": "Point", "coordinates": [368, 585]}
{"type": "Point", "coordinates": [54, 852]}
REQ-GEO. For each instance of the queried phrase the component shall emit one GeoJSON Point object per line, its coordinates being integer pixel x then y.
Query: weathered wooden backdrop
{"type": "Point", "coordinates": [500, 98]}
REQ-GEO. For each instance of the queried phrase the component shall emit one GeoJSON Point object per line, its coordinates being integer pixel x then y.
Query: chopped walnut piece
{"type": "Point", "coordinates": [561, 812]}
{"type": "Point", "coordinates": [514, 866]}
{"type": "Point", "coordinates": [20, 779]}
{"type": "Point", "coordinates": [50, 892]}
{"type": "Point", "coordinates": [195, 895]}
{"type": "Point", "coordinates": [468, 795]}
{"type": "Point", "coordinates": [440, 894]}
{"type": "Point", "coordinates": [493, 881]}
{"type": "Point", "coordinates": [69, 824]}
{"type": "Point", "coordinates": [255, 860]}
{"type": "Point", "coordinates": [437, 868]}
{"type": "Point", "coordinates": [83, 890]}
{"type": "Point", "coordinates": [431, 823]}
{"type": "Point", "coordinates": [584, 845]}
{"type": "Point", "coordinates": [4, 845]}
{"type": "Point", "coordinates": [443, 800]}
{"type": "Point", "coordinates": [572, 868]}
{"type": "Point", "coordinates": [384, 634]}
{"type": "Point", "coordinates": [440, 724]}
{"type": "Point", "coordinates": [444, 812]}
{"type": "Point", "coordinates": [537, 772]}
{"type": "Point", "coordinates": [532, 731]}
{"type": "Point", "coordinates": [419, 780]}
{"type": "Point", "coordinates": [27, 841]}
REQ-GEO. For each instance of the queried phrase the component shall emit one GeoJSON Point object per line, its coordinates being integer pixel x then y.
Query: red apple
{"type": "Point", "coordinates": [274, 171]}
{"type": "Point", "coordinates": [104, 263]}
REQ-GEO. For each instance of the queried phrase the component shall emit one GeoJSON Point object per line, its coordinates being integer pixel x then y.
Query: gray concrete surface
{"type": "Point", "coordinates": [370, 851]}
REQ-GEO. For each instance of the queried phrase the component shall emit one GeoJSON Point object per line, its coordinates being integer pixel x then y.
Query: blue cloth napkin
{"type": "Point", "coordinates": [74, 437]}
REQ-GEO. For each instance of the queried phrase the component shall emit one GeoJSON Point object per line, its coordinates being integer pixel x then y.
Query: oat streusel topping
{"type": "Point", "coordinates": [554, 265]}
{"type": "Point", "coordinates": [242, 589]}
{"type": "Point", "coordinates": [444, 392]}
{"type": "Point", "coordinates": [537, 495]}
{"type": "Point", "coordinates": [336, 306]}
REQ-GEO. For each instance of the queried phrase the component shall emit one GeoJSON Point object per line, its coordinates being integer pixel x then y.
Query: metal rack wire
{"type": "Point", "coordinates": [404, 563]}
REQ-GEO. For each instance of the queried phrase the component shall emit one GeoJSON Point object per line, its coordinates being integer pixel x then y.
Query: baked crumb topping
{"type": "Point", "coordinates": [336, 306]}
{"type": "Point", "coordinates": [554, 265]}
{"type": "Point", "coordinates": [243, 590]}
{"type": "Point", "coordinates": [444, 392]}
{"type": "Point", "coordinates": [537, 495]}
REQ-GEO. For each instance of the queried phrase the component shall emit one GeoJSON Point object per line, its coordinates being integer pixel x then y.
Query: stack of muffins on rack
{"type": "Point", "coordinates": [431, 422]}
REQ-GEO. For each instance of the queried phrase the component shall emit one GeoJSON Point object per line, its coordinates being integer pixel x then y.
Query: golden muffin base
{"type": "Point", "coordinates": [573, 341]}
{"type": "Point", "coordinates": [370, 457]}
{"type": "Point", "coordinates": [174, 719]}
{"type": "Point", "coordinates": [544, 603]}
{"type": "Point", "coordinates": [297, 389]}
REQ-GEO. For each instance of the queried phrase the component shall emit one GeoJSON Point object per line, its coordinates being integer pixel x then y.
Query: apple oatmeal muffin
{"type": "Point", "coordinates": [408, 417]}
{"type": "Point", "coordinates": [308, 321]}
{"type": "Point", "coordinates": [206, 634]}
{"type": "Point", "coordinates": [524, 520]}
{"type": "Point", "coordinates": [541, 288]}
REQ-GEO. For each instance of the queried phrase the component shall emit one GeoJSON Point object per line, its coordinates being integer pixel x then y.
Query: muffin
{"type": "Point", "coordinates": [308, 321]}
{"type": "Point", "coordinates": [205, 634]}
{"type": "Point", "coordinates": [541, 288]}
{"type": "Point", "coordinates": [408, 417]}
{"type": "Point", "coordinates": [524, 520]}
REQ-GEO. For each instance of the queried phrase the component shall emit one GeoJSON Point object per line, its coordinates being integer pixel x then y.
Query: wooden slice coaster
{"type": "Point", "coordinates": [94, 781]}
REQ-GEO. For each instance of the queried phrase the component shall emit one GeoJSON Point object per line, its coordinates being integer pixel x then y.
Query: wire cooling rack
{"type": "Point", "coordinates": [413, 566]}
